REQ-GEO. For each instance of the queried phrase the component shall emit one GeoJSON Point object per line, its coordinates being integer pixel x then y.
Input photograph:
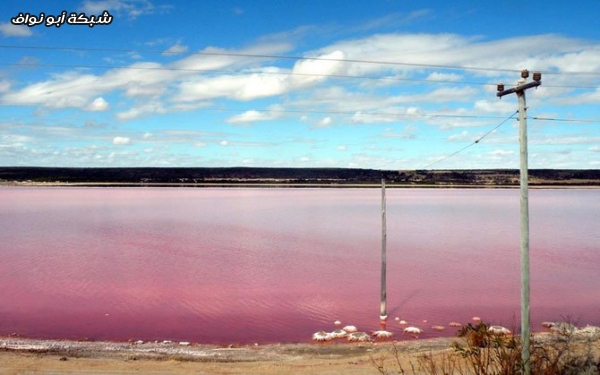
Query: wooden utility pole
{"type": "Point", "coordinates": [383, 310]}
{"type": "Point", "coordinates": [524, 181]}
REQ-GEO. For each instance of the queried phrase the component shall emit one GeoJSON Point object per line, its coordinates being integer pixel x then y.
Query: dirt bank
{"type": "Point", "coordinates": [26, 356]}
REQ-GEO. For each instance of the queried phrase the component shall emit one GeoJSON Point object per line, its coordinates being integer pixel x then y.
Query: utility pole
{"type": "Point", "coordinates": [524, 182]}
{"type": "Point", "coordinates": [383, 310]}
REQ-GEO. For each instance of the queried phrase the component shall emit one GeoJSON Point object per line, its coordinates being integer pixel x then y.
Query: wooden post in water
{"type": "Point", "coordinates": [383, 310]}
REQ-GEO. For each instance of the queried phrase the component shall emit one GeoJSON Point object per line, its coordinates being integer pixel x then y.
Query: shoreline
{"type": "Point", "coordinates": [275, 185]}
{"type": "Point", "coordinates": [27, 355]}
{"type": "Point", "coordinates": [99, 357]}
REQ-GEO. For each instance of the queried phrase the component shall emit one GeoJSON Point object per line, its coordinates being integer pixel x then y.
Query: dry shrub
{"type": "Point", "coordinates": [565, 351]}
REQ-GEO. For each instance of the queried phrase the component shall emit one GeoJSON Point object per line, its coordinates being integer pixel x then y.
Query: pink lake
{"type": "Point", "coordinates": [275, 265]}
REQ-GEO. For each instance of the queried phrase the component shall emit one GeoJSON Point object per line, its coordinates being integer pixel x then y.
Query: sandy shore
{"type": "Point", "coordinates": [28, 356]}
{"type": "Point", "coordinates": [52, 357]}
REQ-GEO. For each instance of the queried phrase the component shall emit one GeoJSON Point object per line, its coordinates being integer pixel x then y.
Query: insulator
{"type": "Point", "coordinates": [524, 73]}
{"type": "Point", "coordinates": [537, 76]}
{"type": "Point", "coordinates": [500, 87]}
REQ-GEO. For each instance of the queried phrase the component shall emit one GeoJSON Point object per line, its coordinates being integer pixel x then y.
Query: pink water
{"type": "Point", "coordinates": [275, 265]}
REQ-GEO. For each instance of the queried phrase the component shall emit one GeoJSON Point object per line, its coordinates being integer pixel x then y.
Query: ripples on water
{"type": "Point", "coordinates": [276, 265]}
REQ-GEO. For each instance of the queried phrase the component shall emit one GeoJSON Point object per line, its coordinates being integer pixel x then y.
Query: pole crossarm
{"type": "Point", "coordinates": [519, 88]}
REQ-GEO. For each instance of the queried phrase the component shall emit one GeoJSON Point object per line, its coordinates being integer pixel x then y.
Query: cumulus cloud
{"type": "Point", "coordinates": [437, 76]}
{"type": "Point", "coordinates": [310, 71]}
{"type": "Point", "coordinates": [324, 122]}
{"type": "Point", "coordinates": [252, 73]}
{"type": "Point", "coordinates": [175, 49]}
{"type": "Point", "coordinates": [121, 141]}
{"type": "Point", "coordinates": [132, 8]}
{"type": "Point", "coordinates": [275, 111]}
{"type": "Point", "coordinates": [462, 136]}
{"type": "Point", "coordinates": [98, 105]}
{"type": "Point", "coordinates": [502, 152]}
{"type": "Point", "coordinates": [250, 116]}
{"type": "Point", "coordinates": [4, 86]}
{"type": "Point", "coordinates": [240, 87]}
{"type": "Point", "coordinates": [7, 29]}
{"type": "Point", "coordinates": [141, 110]}
{"type": "Point", "coordinates": [64, 90]}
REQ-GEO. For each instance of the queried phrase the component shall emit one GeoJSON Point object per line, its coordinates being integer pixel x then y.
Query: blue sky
{"type": "Point", "coordinates": [390, 84]}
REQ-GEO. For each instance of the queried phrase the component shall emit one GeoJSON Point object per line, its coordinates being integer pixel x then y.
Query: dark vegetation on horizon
{"type": "Point", "coordinates": [483, 177]}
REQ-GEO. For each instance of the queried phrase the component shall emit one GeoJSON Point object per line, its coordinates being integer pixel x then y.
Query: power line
{"type": "Point", "coordinates": [267, 56]}
{"type": "Point", "coordinates": [374, 114]}
{"type": "Point", "coordinates": [474, 142]}
{"type": "Point", "coordinates": [564, 119]}
{"type": "Point", "coordinates": [341, 76]}
{"type": "Point", "coordinates": [243, 73]}
{"type": "Point", "coordinates": [289, 57]}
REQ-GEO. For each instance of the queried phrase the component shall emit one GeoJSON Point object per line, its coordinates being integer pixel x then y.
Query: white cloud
{"type": "Point", "coordinates": [147, 135]}
{"type": "Point", "coordinates": [341, 148]}
{"type": "Point", "coordinates": [437, 76]}
{"type": "Point", "coordinates": [7, 29]}
{"type": "Point", "coordinates": [121, 141]}
{"type": "Point", "coordinates": [155, 87]}
{"type": "Point", "coordinates": [324, 122]}
{"type": "Point", "coordinates": [141, 110]}
{"type": "Point", "coordinates": [175, 50]}
{"type": "Point", "coordinates": [495, 106]}
{"type": "Point", "coordinates": [4, 86]}
{"type": "Point", "coordinates": [385, 115]}
{"type": "Point", "coordinates": [239, 87]}
{"type": "Point", "coordinates": [502, 152]}
{"type": "Point", "coordinates": [310, 71]}
{"type": "Point", "coordinates": [131, 8]}
{"type": "Point", "coordinates": [213, 58]}
{"type": "Point", "coordinates": [461, 137]}
{"type": "Point", "coordinates": [98, 105]}
{"type": "Point", "coordinates": [251, 116]}
{"type": "Point", "coordinates": [390, 134]}
{"type": "Point", "coordinates": [595, 148]}
{"type": "Point", "coordinates": [64, 90]}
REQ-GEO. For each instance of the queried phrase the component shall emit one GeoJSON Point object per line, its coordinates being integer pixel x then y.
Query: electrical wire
{"type": "Point", "coordinates": [161, 68]}
{"type": "Point", "coordinates": [290, 73]}
{"type": "Point", "coordinates": [267, 56]}
{"type": "Point", "coordinates": [474, 142]}
{"type": "Point", "coordinates": [565, 119]}
{"type": "Point", "coordinates": [291, 57]}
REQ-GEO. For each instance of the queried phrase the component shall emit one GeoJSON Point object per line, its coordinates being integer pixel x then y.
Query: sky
{"type": "Point", "coordinates": [382, 84]}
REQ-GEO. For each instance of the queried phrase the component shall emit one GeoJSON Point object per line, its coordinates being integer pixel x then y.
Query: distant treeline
{"type": "Point", "coordinates": [503, 177]}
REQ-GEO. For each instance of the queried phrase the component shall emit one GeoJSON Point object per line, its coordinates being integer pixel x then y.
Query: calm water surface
{"type": "Point", "coordinates": [276, 265]}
